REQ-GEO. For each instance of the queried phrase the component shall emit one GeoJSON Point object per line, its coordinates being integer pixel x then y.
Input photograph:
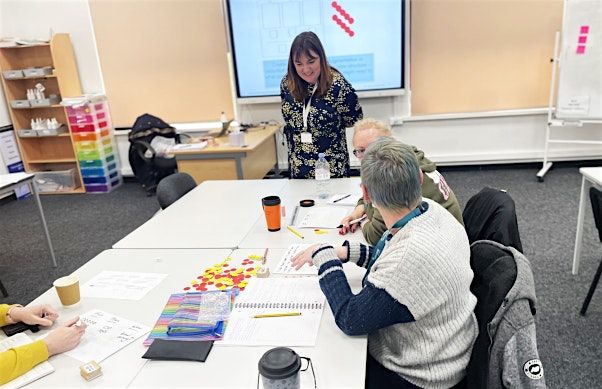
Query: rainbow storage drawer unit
{"type": "Point", "coordinates": [96, 150]}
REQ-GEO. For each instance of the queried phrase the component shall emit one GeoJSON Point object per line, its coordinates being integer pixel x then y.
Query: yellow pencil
{"type": "Point", "coordinates": [277, 315]}
{"type": "Point", "coordinates": [291, 229]}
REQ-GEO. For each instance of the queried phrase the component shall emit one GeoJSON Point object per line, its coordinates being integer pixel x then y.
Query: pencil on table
{"type": "Point", "coordinates": [277, 315]}
{"type": "Point", "coordinates": [265, 256]}
{"type": "Point", "coordinates": [291, 229]}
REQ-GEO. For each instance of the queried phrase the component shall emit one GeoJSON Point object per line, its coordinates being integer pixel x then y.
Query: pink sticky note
{"type": "Point", "coordinates": [584, 29]}
{"type": "Point", "coordinates": [583, 39]}
{"type": "Point", "coordinates": [580, 49]}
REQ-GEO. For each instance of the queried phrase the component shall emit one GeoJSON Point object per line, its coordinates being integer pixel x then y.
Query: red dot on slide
{"type": "Point", "coordinates": [351, 33]}
{"type": "Point", "coordinates": [334, 4]}
{"type": "Point", "coordinates": [351, 20]}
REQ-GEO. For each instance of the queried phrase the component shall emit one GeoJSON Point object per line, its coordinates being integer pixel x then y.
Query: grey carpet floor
{"type": "Point", "coordinates": [570, 345]}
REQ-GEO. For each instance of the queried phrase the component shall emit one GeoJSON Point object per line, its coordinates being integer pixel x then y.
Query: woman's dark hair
{"type": "Point", "coordinates": [309, 44]}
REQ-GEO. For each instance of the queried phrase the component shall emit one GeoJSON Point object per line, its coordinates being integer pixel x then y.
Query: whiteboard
{"type": "Point", "coordinates": [580, 64]}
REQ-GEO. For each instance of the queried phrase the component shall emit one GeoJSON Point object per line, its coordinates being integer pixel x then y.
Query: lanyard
{"type": "Point", "coordinates": [306, 108]}
{"type": "Point", "coordinates": [387, 235]}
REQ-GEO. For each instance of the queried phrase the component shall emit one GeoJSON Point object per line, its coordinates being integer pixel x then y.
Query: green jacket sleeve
{"type": "Point", "coordinates": [374, 228]}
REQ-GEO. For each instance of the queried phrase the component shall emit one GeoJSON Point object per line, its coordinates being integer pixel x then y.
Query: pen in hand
{"type": "Point", "coordinates": [358, 220]}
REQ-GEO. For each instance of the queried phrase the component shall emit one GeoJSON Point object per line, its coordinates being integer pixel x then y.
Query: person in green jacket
{"type": "Point", "coordinates": [434, 185]}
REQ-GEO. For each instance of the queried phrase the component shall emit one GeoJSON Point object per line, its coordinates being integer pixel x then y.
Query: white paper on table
{"type": "Point", "coordinates": [285, 264]}
{"type": "Point", "coordinates": [276, 295]}
{"type": "Point", "coordinates": [105, 335]}
{"type": "Point", "coordinates": [35, 373]}
{"type": "Point", "coordinates": [324, 217]}
{"type": "Point", "coordinates": [11, 178]}
{"type": "Point", "coordinates": [121, 285]}
{"type": "Point", "coordinates": [188, 146]}
{"type": "Point", "coordinates": [351, 200]}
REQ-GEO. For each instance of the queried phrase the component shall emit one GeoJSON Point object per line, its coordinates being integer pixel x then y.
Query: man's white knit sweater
{"type": "Point", "coordinates": [425, 270]}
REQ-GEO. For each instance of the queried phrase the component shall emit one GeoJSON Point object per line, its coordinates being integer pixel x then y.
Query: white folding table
{"type": "Point", "coordinates": [593, 175]}
{"type": "Point", "coordinates": [8, 183]}
{"type": "Point", "coordinates": [216, 214]}
{"type": "Point", "coordinates": [290, 195]}
{"type": "Point", "coordinates": [339, 360]}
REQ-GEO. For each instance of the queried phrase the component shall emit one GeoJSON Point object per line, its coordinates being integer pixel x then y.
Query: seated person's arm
{"type": "Point", "coordinates": [360, 314]}
{"type": "Point", "coordinates": [355, 214]}
{"type": "Point", "coordinates": [19, 360]}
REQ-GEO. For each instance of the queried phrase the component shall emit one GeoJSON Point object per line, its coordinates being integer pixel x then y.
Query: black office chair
{"type": "Point", "coordinates": [595, 196]}
{"type": "Point", "coordinates": [172, 187]}
{"type": "Point", "coordinates": [3, 289]}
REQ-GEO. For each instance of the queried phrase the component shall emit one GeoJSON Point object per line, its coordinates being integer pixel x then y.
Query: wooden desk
{"type": "Point", "coordinates": [224, 162]}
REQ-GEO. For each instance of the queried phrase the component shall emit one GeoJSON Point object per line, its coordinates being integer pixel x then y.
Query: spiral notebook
{"type": "Point", "coordinates": [276, 295]}
{"type": "Point", "coordinates": [35, 373]}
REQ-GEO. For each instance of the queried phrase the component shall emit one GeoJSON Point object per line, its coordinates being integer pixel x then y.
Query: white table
{"type": "Point", "coordinates": [290, 195]}
{"type": "Point", "coordinates": [8, 183]}
{"type": "Point", "coordinates": [216, 214]}
{"type": "Point", "coordinates": [339, 360]}
{"type": "Point", "coordinates": [120, 368]}
{"type": "Point", "coordinates": [592, 175]}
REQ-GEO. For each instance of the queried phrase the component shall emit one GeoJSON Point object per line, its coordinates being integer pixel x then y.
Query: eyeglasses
{"type": "Point", "coordinates": [359, 152]}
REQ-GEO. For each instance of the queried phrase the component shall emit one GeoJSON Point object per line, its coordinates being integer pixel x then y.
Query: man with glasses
{"type": "Point", "coordinates": [433, 186]}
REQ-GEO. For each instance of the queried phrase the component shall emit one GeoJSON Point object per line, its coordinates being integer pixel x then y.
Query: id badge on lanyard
{"type": "Point", "coordinates": [306, 135]}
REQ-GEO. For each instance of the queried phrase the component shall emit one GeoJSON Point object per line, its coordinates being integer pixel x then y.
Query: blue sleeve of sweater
{"type": "Point", "coordinates": [369, 310]}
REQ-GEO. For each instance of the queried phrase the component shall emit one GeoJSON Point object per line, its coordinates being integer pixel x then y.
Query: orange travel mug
{"type": "Point", "coordinates": [271, 208]}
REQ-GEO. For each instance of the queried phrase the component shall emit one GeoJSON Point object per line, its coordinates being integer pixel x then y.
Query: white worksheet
{"type": "Point", "coordinates": [324, 217]}
{"type": "Point", "coordinates": [106, 334]}
{"type": "Point", "coordinates": [275, 295]}
{"type": "Point", "coordinates": [285, 264]}
{"type": "Point", "coordinates": [121, 285]}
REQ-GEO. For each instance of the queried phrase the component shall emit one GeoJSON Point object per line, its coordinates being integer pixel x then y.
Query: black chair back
{"type": "Point", "coordinates": [595, 195]}
{"type": "Point", "coordinates": [173, 187]}
{"type": "Point", "coordinates": [491, 215]}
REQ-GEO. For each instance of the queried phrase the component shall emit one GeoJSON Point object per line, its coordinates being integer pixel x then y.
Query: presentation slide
{"type": "Point", "coordinates": [362, 38]}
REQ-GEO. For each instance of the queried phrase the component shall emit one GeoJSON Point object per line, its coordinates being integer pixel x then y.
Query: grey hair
{"type": "Point", "coordinates": [391, 174]}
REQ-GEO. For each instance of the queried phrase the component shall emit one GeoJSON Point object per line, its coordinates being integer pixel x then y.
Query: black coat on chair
{"type": "Point", "coordinates": [150, 170]}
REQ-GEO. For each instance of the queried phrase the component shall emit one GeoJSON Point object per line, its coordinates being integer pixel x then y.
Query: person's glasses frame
{"type": "Point", "coordinates": [359, 152]}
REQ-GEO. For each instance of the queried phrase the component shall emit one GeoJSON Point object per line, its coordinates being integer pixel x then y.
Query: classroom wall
{"type": "Point", "coordinates": [476, 55]}
{"type": "Point", "coordinates": [35, 19]}
{"type": "Point", "coordinates": [167, 58]}
{"type": "Point", "coordinates": [461, 138]}
{"type": "Point", "coordinates": [468, 139]}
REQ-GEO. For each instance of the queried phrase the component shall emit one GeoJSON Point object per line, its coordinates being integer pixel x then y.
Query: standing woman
{"type": "Point", "coordinates": [318, 104]}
